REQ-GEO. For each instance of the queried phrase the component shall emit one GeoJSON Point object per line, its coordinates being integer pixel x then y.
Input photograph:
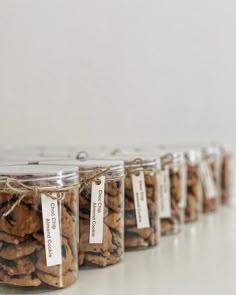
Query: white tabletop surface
{"type": "Point", "coordinates": [200, 260]}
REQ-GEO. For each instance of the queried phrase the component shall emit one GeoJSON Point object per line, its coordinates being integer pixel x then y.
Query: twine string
{"type": "Point", "coordinates": [21, 190]}
{"type": "Point", "coordinates": [167, 159]}
{"type": "Point", "coordinates": [134, 167]}
{"type": "Point", "coordinates": [92, 177]}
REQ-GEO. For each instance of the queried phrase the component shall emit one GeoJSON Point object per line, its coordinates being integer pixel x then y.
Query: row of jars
{"type": "Point", "coordinates": [69, 211]}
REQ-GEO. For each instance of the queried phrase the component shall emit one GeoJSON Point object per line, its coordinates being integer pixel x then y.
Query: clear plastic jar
{"type": "Point", "coordinates": [226, 175]}
{"type": "Point", "coordinates": [38, 227]}
{"type": "Point", "coordinates": [142, 223]}
{"type": "Point", "coordinates": [101, 213]}
{"type": "Point", "coordinates": [101, 210]}
{"type": "Point", "coordinates": [194, 192]}
{"type": "Point", "coordinates": [174, 200]}
{"type": "Point", "coordinates": [210, 179]}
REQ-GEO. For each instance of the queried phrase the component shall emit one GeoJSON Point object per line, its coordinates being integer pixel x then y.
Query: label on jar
{"type": "Point", "coordinates": [183, 187]}
{"type": "Point", "coordinates": [51, 228]}
{"type": "Point", "coordinates": [208, 181]}
{"type": "Point", "coordinates": [140, 200]}
{"type": "Point", "coordinates": [164, 193]}
{"type": "Point", "coordinates": [96, 211]}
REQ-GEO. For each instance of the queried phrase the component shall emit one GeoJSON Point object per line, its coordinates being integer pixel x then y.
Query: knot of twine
{"type": "Point", "coordinates": [92, 177]}
{"type": "Point", "coordinates": [167, 159]}
{"type": "Point", "coordinates": [134, 167]}
{"type": "Point", "coordinates": [16, 187]}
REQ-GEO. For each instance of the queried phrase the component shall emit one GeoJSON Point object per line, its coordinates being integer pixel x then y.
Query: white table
{"type": "Point", "coordinates": [201, 260]}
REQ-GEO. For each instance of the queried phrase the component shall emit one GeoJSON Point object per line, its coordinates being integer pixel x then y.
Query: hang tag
{"type": "Point", "coordinates": [164, 193]}
{"type": "Point", "coordinates": [208, 181]}
{"type": "Point", "coordinates": [140, 200]}
{"type": "Point", "coordinates": [51, 229]}
{"type": "Point", "coordinates": [96, 212]}
{"type": "Point", "coordinates": [183, 187]}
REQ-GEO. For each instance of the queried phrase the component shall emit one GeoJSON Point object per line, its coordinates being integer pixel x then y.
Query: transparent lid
{"type": "Point", "coordinates": [137, 159]}
{"type": "Point", "coordinates": [189, 153]}
{"type": "Point", "coordinates": [46, 175]}
{"type": "Point", "coordinates": [175, 157]}
{"type": "Point", "coordinates": [87, 166]}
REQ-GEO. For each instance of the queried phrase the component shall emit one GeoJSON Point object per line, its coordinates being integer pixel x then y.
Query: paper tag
{"type": "Point", "coordinates": [164, 193]}
{"type": "Point", "coordinates": [96, 212]}
{"type": "Point", "coordinates": [51, 228]}
{"type": "Point", "coordinates": [140, 200]}
{"type": "Point", "coordinates": [208, 181]}
{"type": "Point", "coordinates": [183, 187]}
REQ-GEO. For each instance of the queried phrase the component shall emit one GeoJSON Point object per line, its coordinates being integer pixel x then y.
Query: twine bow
{"type": "Point", "coordinates": [93, 176]}
{"type": "Point", "coordinates": [167, 159]}
{"type": "Point", "coordinates": [16, 187]}
{"type": "Point", "coordinates": [134, 167]}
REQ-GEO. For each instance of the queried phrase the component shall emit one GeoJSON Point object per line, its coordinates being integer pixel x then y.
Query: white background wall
{"type": "Point", "coordinates": [117, 71]}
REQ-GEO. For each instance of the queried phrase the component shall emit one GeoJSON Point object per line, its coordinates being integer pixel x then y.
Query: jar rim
{"type": "Point", "coordinates": [88, 165]}
{"type": "Point", "coordinates": [38, 172]}
{"type": "Point", "coordinates": [148, 160]}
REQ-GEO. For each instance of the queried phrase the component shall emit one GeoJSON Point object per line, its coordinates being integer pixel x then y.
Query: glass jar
{"type": "Point", "coordinates": [38, 227]}
{"type": "Point", "coordinates": [101, 212]}
{"type": "Point", "coordinates": [226, 175]}
{"type": "Point", "coordinates": [209, 170]}
{"type": "Point", "coordinates": [194, 192]}
{"type": "Point", "coordinates": [142, 228]}
{"type": "Point", "coordinates": [173, 203]}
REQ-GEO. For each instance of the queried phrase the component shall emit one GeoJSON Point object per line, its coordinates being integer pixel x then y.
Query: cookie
{"type": "Point", "coordinates": [13, 225]}
{"type": "Point", "coordinates": [12, 252]}
{"type": "Point", "coordinates": [22, 266]}
{"type": "Point", "coordinates": [11, 239]}
{"type": "Point", "coordinates": [62, 281]}
{"type": "Point", "coordinates": [23, 281]}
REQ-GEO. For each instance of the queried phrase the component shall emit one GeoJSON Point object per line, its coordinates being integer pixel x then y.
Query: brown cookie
{"type": "Point", "coordinates": [11, 251]}
{"type": "Point", "coordinates": [112, 189]}
{"type": "Point", "coordinates": [130, 218]}
{"type": "Point", "coordinates": [134, 242]}
{"type": "Point", "coordinates": [150, 180]}
{"type": "Point", "coordinates": [114, 221]}
{"type": "Point", "coordinates": [70, 201]}
{"type": "Point", "coordinates": [62, 281]}
{"type": "Point", "coordinates": [21, 221]}
{"type": "Point", "coordinates": [128, 183]}
{"type": "Point", "coordinates": [100, 259]}
{"type": "Point", "coordinates": [165, 227]}
{"type": "Point", "coordinates": [129, 205]}
{"type": "Point", "coordinates": [67, 223]}
{"type": "Point", "coordinates": [81, 257]}
{"type": "Point", "coordinates": [113, 203]}
{"type": "Point", "coordinates": [5, 237]}
{"type": "Point", "coordinates": [143, 232]}
{"type": "Point", "coordinates": [4, 197]}
{"type": "Point", "coordinates": [56, 270]}
{"type": "Point", "coordinates": [23, 281]}
{"type": "Point", "coordinates": [39, 237]}
{"type": "Point", "coordinates": [84, 245]}
{"type": "Point", "coordinates": [22, 266]}
{"type": "Point", "coordinates": [117, 241]}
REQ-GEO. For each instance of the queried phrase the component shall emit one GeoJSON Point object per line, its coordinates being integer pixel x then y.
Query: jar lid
{"type": "Point", "coordinates": [34, 173]}
{"type": "Point", "coordinates": [115, 166]}
{"type": "Point", "coordinates": [148, 160]}
{"type": "Point", "coordinates": [176, 156]}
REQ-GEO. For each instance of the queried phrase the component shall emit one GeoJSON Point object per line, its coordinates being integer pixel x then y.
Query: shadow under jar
{"type": "Point", "coordinates": [142, 228]}
{"type": "Point", "coordinates": [174, 199]}
{"type": "Point", "coordinates": [101, 212]}
{"type": "Point", "coordinates": [194, 197]}
{"type": "Point", "coordinates": [38, 227]}
{"type": "Point", "coordinates": [209, 179]}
